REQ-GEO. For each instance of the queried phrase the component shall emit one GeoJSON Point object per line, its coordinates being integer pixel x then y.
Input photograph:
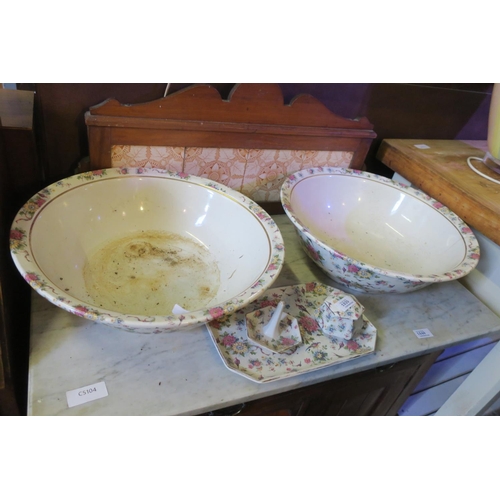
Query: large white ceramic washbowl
{"type": "Point", "coordinates": [372, 234]}
{"type": "Point", "coordinates": [132, 247]}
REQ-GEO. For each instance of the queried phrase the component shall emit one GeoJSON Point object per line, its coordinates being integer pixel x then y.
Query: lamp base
{"type": "Point", "coordinates": [492, 163]}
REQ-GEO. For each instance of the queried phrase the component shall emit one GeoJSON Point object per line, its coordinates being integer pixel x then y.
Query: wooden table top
{"type": "Point", "coordinates": [439, 168]}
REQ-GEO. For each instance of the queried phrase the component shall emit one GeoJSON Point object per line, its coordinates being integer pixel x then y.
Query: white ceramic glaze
{"type": "Point", "coordinates": [372, 234]}
{"type": "Point", "coordinates": [236, 248]}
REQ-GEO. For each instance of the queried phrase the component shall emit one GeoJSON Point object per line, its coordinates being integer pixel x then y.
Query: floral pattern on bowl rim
{"type": "Point", "coordinates": [317, 351]}
{"type": "Point", "coordinates": [22, 256]}
{"type": "Point", "coordinates": [360, 276]}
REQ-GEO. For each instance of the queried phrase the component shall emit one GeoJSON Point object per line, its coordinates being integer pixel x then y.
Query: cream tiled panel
{"type": "Point", "coordinates": [224, 165]}
{"type": "Point", "coordinates": [326, 159]}
{"type": "Point", "coordinates": [266, 170]}
{"type": "Point", "coordinates": [162, 157]}
{"type": "Point", "coordinates": [257, 173]}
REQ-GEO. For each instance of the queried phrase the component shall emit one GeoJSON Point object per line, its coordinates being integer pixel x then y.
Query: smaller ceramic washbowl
{"type": "Point", "coordinates": [273, 329]}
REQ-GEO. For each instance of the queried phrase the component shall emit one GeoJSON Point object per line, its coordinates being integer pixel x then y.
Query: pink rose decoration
{"type": "Point", "coordinates": [309, 324]}
{"type": "Point", "coordinates": [16, 235]}
{"type": "Point", "coordinates": [216, 324]}
{"type": "Point", "coordinates": [352, 345]}
{"type": "Point", "coordinates": [353, 268]}
{"type": "Point", "coordinates": [228, 340]}
{"type": "Point", "coordinates": [216, 312]}
{"type": "Point", "coordinates": [81, 311]}
{"type": "Point", "coordinates": [268, 303]}
{"type": "Point", "coordinates": [312, 252]}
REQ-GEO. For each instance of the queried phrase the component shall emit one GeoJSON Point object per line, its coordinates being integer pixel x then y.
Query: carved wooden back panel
{"type": "Point", "coordinates": [250, 142]}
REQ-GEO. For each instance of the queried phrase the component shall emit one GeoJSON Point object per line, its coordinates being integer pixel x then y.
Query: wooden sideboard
{"type": "Point", "coordinates": [181, 373]}
{"type": "Point", "coordinates": [377, 392]}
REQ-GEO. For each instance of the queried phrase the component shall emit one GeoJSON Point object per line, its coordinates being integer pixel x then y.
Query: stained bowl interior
{"type": "Point", "coordinates": [210, 247]}
{"type": "Point", "coordinates": [378, 224]}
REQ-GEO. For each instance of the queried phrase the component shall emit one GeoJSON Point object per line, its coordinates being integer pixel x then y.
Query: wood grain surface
{"type": "Point", "coordinates": [441, 171]}
{"type": "Point", "coordinates": [254, 116]}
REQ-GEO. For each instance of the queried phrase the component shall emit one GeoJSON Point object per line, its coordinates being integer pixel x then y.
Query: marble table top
{"type": "Point", "coordinates": [181, 373]}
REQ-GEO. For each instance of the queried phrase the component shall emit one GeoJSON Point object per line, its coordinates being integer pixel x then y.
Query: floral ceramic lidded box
{"type": "Point", "coordinates": [340, 316]}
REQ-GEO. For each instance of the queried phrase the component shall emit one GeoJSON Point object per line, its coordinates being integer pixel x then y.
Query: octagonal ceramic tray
{"type": "Point", "coordinates": [259, 364]}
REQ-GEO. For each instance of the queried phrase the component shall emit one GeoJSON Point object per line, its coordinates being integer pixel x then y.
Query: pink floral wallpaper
{"type": "Point", "coordinates": [257, 173]}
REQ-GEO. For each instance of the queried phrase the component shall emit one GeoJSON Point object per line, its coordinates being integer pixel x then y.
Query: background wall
{"type": "Point", "coordinates": [420, 111]}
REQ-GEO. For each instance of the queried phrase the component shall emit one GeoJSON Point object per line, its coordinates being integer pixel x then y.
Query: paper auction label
{"type": "Point", "coordinates": [85, 394]}
{"type": "Point", "coordinates": [423, 333]}
{"type": "Point", "coordinates": [345, 303]}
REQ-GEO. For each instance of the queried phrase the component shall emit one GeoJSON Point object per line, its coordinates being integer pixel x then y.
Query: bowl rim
{"type": "Point", "coordinates": [25, 260]}
{"type": "Point", "coordinates": [472, 251]}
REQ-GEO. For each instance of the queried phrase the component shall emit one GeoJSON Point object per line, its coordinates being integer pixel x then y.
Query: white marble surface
{"type": "Point", "coordinates": [181, 373]}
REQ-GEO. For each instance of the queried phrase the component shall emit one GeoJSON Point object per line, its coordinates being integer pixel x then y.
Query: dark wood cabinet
{"type": "Point", "coordinates": [19, 178]}
{"type": "Point", "coordinates": [377, 392]}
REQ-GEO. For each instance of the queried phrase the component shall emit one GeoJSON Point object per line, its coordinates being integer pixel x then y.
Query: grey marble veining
{"type": "Point", "coordinates": [181, 373]}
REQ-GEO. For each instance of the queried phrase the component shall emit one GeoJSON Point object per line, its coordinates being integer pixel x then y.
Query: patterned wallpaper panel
{"type": "Point", "coordinates": [148, 156]}
{"type": "Point", "coordinates": [257, 173]}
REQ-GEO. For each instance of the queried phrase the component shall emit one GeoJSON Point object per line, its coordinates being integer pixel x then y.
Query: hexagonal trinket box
{"type": "Point", "coordinates": [340, 316]}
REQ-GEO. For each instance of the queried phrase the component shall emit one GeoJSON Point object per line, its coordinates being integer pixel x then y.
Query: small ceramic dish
{"type": "Point", "coordinates": [340, 315]}
{"type": "Point", "coordinates": [250, 360]}
{"type": "Point", "coordinates": [287, 335]}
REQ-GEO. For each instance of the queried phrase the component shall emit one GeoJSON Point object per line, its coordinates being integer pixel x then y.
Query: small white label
{"type": "Point", "coordinates": [177, 309]}
{"type": "Point", "coordinates": [345, 303]}
{"type": "Point", "coordinates": [423, 333]}
{"type": "Point", "coordinates": [422, 146]}
{"type": "Point", "coordinates": [85, 394]}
